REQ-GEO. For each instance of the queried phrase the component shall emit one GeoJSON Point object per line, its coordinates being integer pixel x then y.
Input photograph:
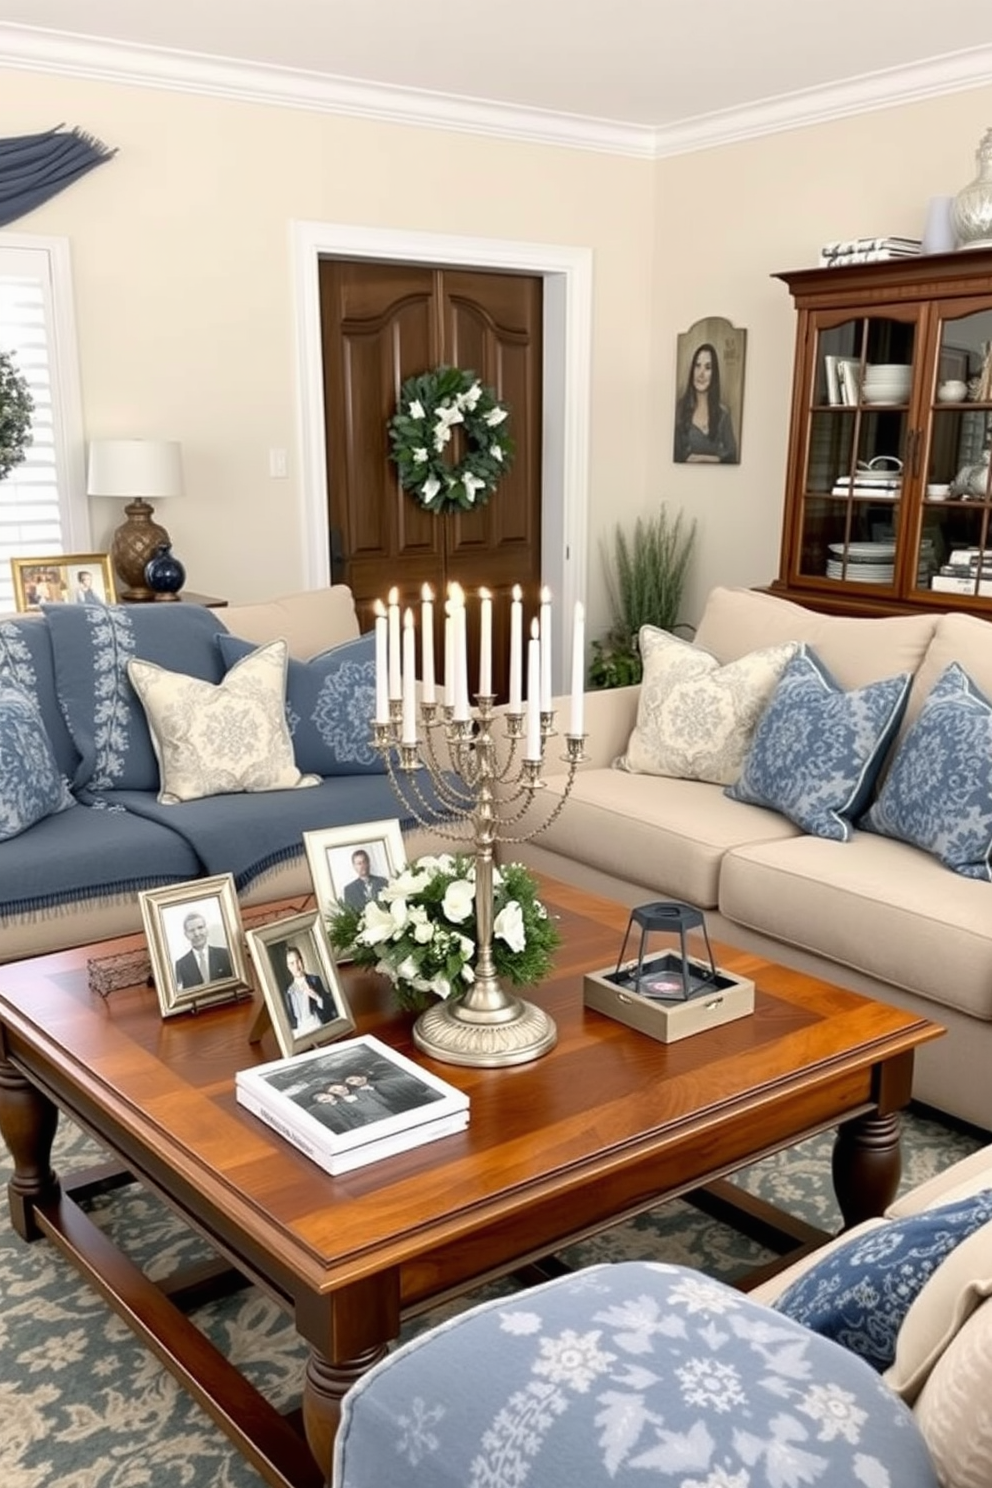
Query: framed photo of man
{"type": "Point", "coordinates": [299, 982]}
{"type": "Point", "coordinates": [709, 393]}
{"type": "Point", "coordinates": [349, 865]}
{"type": "Point", "coordinates": [195, 942]}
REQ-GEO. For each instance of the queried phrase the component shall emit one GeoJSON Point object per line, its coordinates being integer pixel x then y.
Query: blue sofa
{"type": "Point", "coordinates": [82, 830]}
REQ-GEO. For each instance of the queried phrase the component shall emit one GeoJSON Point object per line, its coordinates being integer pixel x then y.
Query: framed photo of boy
{"type": "Point", "coordinates": [709, 393]}
{"type": "Point", "coordinates": [299, 983]}
{"type": "Point", "coordinates": [195, 942]}
{"type": "Point", "coordinates": [349, 865]}
{"type": "Point", "coordinates": [63, 578]}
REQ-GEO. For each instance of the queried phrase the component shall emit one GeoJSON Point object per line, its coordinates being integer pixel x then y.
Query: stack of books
{"type": "Point", "coordinates": [352, 1103]}
{"type": "Point", "coordinates": [868, 250]}
{"type": "Point", "coordinates": [967, 571]}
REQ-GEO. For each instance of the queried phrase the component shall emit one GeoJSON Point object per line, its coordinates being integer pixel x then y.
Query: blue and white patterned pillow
{"type": "Point", "coordinates": [817, 749]}
{"type": "Point", "coordinates": [31, 785]}
{"type": "Point", "coordinates": [938, 792]}
{"type": "Point", "coordinates": [859, 1294]}
{"type": "Point", "coordinates": [626, 1376]}
{"type": "Point", "coordinates": [330, 702]}
{"type": "Point", "coordinates": [92, 645]}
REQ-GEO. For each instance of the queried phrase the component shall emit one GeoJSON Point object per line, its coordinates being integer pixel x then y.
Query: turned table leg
{"type": "Point", "coordinates": [28, 1121]}
{"type": "Point", "coordinates": [324, 1387]}
{"type": "Point", "coordinates": [867, 1164]}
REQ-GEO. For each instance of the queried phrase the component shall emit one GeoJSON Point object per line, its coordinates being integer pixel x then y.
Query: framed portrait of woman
{"type": "Point", "coordinates": [709, 393]}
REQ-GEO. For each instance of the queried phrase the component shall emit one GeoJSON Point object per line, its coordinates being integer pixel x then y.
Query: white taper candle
{"type": "Point", "coordinates": [395, 654]}
{"type": "Point", "coordinates": [578, 668]}
{"type": "Point", "coordinates": [449, 657]}
{"type": "Point", "coordinates": [516, 649]}
{"type": "Point", "coordinates": [533, 749]}
{"type": "Point", "coordinates": [427, 644]}
{"type": "Point", "coordinates": [408, 733]}
{"type": "Point", "coordinates": [381, 663]}
{"type": "Point", "coordinates": [546, 650]}
{"type": "Point", "coordinates": [485, 643]}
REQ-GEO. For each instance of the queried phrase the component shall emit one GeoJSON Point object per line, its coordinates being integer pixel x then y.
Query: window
{"type": "Point", "coordinates": [42, 501]}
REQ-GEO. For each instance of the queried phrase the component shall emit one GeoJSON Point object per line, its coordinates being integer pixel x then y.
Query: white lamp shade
{"type": "Point", "coordinates": [128, 468]}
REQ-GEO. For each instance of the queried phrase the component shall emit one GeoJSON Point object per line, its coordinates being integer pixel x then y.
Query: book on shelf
{"type": "Point", "coordinates": [832, 379]}
{"type": "Point", "coordinates": [945, 583]}
{"type": "Point", "coordinates": [864, 255]}
{"type": "Point", "coordinates": [868, 250]}
{"type": "Point", "coordinates": [849, 377]}
{"type": "Point", "coordinates": [352, 1103]}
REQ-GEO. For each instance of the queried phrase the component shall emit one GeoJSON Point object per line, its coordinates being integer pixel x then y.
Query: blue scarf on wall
{"type": "Point", "coordinates": [34, 167]}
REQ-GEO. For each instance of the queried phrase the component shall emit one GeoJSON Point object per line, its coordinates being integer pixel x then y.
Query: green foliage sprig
{"type": "Point", "coordinates": [431, 406]}
{"type": "Point", "coordinates": [645, 580]}
{"type": "Point", "coordinates": [16, 408]}
{"type": "Point", "coordinates": [420, 931]}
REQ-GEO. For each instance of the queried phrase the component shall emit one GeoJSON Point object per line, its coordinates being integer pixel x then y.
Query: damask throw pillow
{"type": "Point", "coordinates": [817, 749]}
{"type": "Point", "coordinates": [696, 718]}
{"type": "Point", "coordinates": [938, 792]}
{"type": "Point", "coordinates": [330, 701]}
{"type": "Point", "coordinates": [212, 740]}
{"type": "Point", "coordinates": [860, 1293]}
{"type": "Point", "coordinates": [31, 785]}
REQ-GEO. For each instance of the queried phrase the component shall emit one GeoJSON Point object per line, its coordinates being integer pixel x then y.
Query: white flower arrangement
{"type": "Point", "coordinates": [431, 405]}
{"type": "Point", "coordinates": [420, 930]}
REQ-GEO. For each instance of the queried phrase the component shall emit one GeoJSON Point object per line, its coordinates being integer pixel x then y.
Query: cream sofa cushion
{"type": "Point", "coordinates": [879, 906]}
{"type": "Point", "coordinates": [954, 1409]}
{"type": "Point", "coordinates": [855, 651]}
{"type": "Point", "coordinates": [310, 622]}
{"type": "Point", "coordinates": [959, 1284]}
{"type": "Point", "coordinates": [696, 718]}
{"type": "Point", "coordinates": [671, 834]}
{"type": "Point", "coordinates": [961, 638]}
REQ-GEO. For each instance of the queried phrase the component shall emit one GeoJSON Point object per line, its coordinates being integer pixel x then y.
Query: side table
{"type": "Point", "coordinates": [188, 596]}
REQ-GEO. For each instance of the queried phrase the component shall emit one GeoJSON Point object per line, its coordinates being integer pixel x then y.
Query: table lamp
{"type": "Point", "coordinates": [135, 470]}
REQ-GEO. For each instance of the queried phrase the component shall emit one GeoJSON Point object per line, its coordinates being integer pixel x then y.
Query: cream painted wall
{"type": "Point", "coordinates": [184, 297]}
{"type": "Point", "coordinates": [181, 256]}
{"type": "Point", "coordinates": [730, 218]}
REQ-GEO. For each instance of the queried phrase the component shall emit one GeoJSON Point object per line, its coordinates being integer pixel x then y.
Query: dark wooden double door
{"type": "Point", "coordinates": [382, 323]}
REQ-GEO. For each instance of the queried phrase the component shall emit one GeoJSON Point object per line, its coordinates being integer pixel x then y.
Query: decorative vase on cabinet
{"type": "Point", "coordinates": [164, 574]}
{"type": "Point", "coordinates": [972, 209]}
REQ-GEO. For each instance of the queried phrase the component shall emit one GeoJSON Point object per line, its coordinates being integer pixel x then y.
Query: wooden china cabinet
{"type": "Point", "coordinates": [888, 501]}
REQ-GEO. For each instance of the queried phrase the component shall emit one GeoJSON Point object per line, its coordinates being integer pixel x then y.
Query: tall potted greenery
{"type": "Point", "coordinates": [645, 578]}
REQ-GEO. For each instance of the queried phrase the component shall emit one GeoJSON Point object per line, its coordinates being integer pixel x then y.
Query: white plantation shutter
{"type": "Point", "coordinates": [42, 505]}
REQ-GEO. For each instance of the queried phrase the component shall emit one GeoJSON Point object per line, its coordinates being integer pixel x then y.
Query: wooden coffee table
{"type": "Point", "coordinates": [606, 1125]}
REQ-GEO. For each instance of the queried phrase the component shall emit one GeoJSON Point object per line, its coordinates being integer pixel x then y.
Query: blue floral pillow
{"type": "Point", "coordinates": [938, 793]}
{"type": "Point", "coordinates": [330, 702]}
{"type": "Point", "coordinates": [817, 749]}
{"type": "Point", "coordinates": [31, 785]}
{"type": "Point", "coordinates": [860, 1293]}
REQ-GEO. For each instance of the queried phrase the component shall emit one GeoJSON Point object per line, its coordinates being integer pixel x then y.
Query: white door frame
{"type": "Point", "coordinates": [567, 275]}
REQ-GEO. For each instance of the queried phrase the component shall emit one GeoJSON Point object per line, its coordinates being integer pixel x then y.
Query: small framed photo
{"type": "Point", "coordinates": [63, 578]}
{"type": "Point", "coordinates": [196, 943]}
{"type": "Point", "coordinates": [349, 865]}
{"type": "Point", "coordinates": [299, 982]}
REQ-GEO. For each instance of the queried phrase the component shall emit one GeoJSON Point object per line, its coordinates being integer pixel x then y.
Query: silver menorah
{"type": "Point", "coordinates": [487, 802]}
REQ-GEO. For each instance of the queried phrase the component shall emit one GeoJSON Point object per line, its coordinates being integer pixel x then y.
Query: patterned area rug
{"type": "Point", "coordinates": [84, 1405]}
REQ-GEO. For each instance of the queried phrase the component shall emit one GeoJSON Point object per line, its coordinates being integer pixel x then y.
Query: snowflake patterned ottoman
{"type": "Point", "coordinates": [635, 1373]}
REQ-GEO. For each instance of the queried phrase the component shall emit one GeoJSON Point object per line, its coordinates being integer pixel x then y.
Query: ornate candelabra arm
{"type": "Point", "coordinates": [574, 757]}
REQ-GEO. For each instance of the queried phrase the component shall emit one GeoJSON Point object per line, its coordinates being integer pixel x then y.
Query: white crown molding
{"type": "Point", "coordinates": [891, 88]}
{"type": "Point", "coordinates": [29, 48]}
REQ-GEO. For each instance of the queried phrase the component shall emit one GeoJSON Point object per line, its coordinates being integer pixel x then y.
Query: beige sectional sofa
{"type": "Point", "coordinates": [871, 914]}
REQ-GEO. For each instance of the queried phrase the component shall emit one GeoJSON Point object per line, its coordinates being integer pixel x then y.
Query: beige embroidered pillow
{"type": "Point", "coordinates": [953, 1411]}
{"type": "Point", "coordinates": [959, 1284]}
{"type": "Point", "coordinates": [696, 718]}
{"type": "Point", "coordinates": [212, 740]}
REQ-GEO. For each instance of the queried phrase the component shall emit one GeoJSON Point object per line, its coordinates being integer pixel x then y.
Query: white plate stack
{"type": "Point", "coordinates": [886, 383]}
{"type": "Point", "coordinates": [867, 562]}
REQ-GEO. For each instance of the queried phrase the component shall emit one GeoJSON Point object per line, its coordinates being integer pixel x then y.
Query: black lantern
{"type": "Point", "coordinates": [666, 975]}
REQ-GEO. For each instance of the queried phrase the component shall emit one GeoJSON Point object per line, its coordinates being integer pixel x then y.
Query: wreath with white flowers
{"type": "Point", "coordinates": [16, 408]}
{"type": "Point", "coordinates": [430, 406]}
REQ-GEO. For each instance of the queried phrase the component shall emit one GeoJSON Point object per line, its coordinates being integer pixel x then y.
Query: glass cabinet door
{"type": "Point", "coordinates": [860, 437]}
{"type": "Point", "coordinates": [954, 544]}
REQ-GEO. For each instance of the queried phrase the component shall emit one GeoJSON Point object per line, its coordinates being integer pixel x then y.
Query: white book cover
{"type": "Point", "coordinates": [368, 1152]}
{"type": "Point", "coordinates": [341, 1097]}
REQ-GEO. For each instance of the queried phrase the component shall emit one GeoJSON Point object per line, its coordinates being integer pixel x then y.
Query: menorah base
{"type": "Point", "coordinates": [519, 1033]}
